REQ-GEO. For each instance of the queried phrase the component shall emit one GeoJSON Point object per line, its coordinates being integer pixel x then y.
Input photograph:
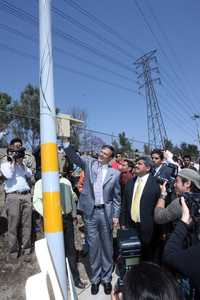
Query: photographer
{"type": "Point", "coordinates": [187, 180]}
{"type": "Point", "coordinates": [185, 261]}
{"type": "Point", "coordinates": [18, 201]}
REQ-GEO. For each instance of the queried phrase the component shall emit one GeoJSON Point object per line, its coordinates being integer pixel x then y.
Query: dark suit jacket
{"type": "Point", "coordinates": [148, 201]}
{"type": "Point", "coordinates": [164, 172]}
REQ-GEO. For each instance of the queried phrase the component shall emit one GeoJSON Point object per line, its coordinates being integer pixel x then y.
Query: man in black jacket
{"type": "Point", "coordinates": [161, 169]}
{"type": "Point", "coordinates": [140, 197]}
{"type": "Point", "coordinates": [185, 261]}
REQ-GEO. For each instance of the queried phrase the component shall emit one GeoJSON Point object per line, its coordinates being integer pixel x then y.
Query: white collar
{"type": "Point", "coordinates": [144, 177]}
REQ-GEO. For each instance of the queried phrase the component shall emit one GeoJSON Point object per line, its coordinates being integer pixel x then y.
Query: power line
{"type": "Point", "coordinates": [176, 112]}
{"type": "Point", "coordinates": [177, 97]}
{"type": "Point", "coordinates": [167, 41]}
{"type": "Point", "coordinates": [32, 20]}
{"type": "Point", "coordinates": [67, 53]}
{"type": "Point", "coordinates": [175, 118]}
{"type": "Point", "coordinates": [29, 18]}
{"type": "Point", "coordinates": [71, 70]}
{"type": "Point", "coordinates": [91, 31]}
{"type": "Point", "coordinates": [155, 37]}
{"type": "Point", "coordinates": [91, 49]}
{"type": "Point", "coordinates": [103, 25]}
{"type": "Point", "coordinates": [177, 90]}
{"type": "Point", "coordinates": [83, 129]}
{"type": "Point", "coordinates": [22, 14]}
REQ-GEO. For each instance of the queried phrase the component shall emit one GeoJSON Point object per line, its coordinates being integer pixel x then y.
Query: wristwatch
{"type": "Point", "coordinates": [163, 195]}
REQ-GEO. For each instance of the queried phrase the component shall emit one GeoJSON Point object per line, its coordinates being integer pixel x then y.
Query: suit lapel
{"type": "Point", "coordinates": [93, 170]}
{"type": "Point", "coordinates": [109, 175]}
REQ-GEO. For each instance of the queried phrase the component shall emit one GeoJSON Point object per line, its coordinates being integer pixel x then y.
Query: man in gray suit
{"type": "Point", "coordinates": [100, 203]}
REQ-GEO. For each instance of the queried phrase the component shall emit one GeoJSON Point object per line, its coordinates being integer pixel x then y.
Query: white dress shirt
{"type": "Point", "coordinates": [157, 170]}
{"type": "Point", "coordinates": [104, 172]}
{"type": "Point", "coordinates": [15, 175]}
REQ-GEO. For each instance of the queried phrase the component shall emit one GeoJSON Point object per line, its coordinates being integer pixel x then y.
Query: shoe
{"type": "Point", "coordinates": [95, 288]}
{"type": "Point", "coordinates": [80, 285]}
{"type": "Point", "coordinates": [107, 288]}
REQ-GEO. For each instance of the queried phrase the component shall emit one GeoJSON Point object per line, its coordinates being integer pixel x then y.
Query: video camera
{"type": "Point", "coordinates": [170, 183]}
{"type": "Point", "coordinates": [129, 248]}
{"type": "Point", "coordinates": [13, 154]}
{"type": "Point", "coordinates": [170, 180]}
{"type": "Point", "coordinates": [193, 203]}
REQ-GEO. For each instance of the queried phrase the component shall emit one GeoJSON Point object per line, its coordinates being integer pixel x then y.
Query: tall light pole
{"type": "Point", "coordinates": [53, 226]}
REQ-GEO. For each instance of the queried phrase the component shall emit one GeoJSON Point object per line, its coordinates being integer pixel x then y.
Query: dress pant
{"type": "Point", "coordinates": [19, 214]}
{"type": "Point", "coordinates": [99, 238]}
{"type": "Point", "coordinates": [70, 251]}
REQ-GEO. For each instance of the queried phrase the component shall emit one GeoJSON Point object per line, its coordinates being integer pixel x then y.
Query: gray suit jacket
{"type": "Point", "coordinates": [111, 186]}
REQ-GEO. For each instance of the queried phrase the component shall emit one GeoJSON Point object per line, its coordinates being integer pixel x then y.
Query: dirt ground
{"type": "Point", "coordinates": [13, 276]}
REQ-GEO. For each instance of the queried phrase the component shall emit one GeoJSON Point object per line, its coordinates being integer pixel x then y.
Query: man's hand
{"type": "Point", "coordinates": [116, 295]}
{"type": "Point", "coordinates": [19, 161]}
{"type": "Point", "coordinates": [167, 154]}
{"type": "Point", "coordinates": [115, 222]}
{"type": "Point", "coordinates": [186, 218]}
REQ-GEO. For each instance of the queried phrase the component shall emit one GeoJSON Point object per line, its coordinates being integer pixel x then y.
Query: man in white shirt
{"type": "Point", "coordinates": [18, 201]}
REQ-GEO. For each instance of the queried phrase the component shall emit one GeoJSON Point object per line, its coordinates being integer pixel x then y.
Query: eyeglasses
{"type": "Point", "coordinates": [156, 158]}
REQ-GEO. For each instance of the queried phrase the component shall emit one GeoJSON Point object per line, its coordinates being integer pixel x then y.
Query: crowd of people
{"type": "Point", "coordinates": [158, 195]}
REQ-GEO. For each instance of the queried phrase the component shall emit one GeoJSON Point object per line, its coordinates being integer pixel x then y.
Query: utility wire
{"type": "Point", "coordinates": [25, 16]}
{"type": "Point", "coordinates": [168, 43]}
{"type": "Point", "coordinates": [34, 21]}
{"type": "Point", "coordinates": [83, 129]}
{"type": "Point", "coordinates": [175, 109]}
{"type": "Point", "coordinates": [155, 37]}
{"type": "Point", "coordinates": [64, 52]}
{"type": "Point", "coordinates": [177, 90]}
{"type": "Point", "coordinates": [31, 19]}
{"type": "Point", "coordinates": [179, 99]}
{"type": "Point", "coordinates": [92, 32]}
{"type": "Point", "coordinates": [71, 70]}
{"type": "Point", "coordinates": [22, 14]}
{"type": "Point", "coordinates": [103, 25]}
{"type": "Point", "coordinates": [174, 115]}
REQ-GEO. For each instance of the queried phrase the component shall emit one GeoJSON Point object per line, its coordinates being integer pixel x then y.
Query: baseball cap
{"type": "Point", "coordinates": [191, 175]}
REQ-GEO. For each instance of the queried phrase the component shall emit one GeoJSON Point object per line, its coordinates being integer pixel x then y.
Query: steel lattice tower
{"type": "Point", "coordinates": [156, 128]}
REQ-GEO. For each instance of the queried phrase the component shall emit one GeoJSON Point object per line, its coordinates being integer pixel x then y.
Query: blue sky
{"type": "Point", "coordinates": [112, 109]}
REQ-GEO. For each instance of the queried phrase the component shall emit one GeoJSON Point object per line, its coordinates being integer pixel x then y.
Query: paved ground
{"type": "Point", "coordinates": [13, 276]}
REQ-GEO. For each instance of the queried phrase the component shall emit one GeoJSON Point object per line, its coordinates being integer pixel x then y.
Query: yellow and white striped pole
{"type": "Point", "coordinates": [50, 175]}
